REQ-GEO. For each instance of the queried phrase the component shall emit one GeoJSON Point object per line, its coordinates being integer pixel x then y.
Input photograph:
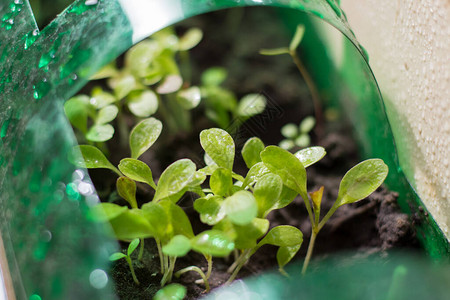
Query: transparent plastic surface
{"type": "Point", "coordinates": [53, 250]}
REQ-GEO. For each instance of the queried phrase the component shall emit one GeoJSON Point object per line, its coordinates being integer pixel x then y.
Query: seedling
{"type": "Point", "coordinates": [297, 135]}
{"type": "Point", "coordinates": [119, 255]}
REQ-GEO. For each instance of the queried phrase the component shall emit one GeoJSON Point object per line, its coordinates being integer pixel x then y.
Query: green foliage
{"type": "Point", "coordinates": [173, 291]}
{"type": "Point", "coordinates": [119, 255]}
{"type": "Point", "coordinates": [297, 136]}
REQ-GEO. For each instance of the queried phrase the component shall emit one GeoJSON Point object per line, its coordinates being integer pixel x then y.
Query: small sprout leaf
{"type": "Point", "coordinates": [143, 135]}
{"type": "Point", "coordinates": [100, 133]}
{"type": "Point", "coordinates": [123, 84]}
{"type": "Point", "coordinates": [288, 167]}
{"type": "Point", "coordinates": [307, 124]}
{"type": "Point", "coordinates": [286, 198]}
{"type": "Point", "coordinates": [130, 225]}
{"type": "Point", "coordinates": [132, 246]}
{"type": "Point", "coordinates": [126, 188]}
{"type": "Point", "coordinates": [361, 181]}
{"type": "Point", "coordinates": [170, 84]}
{"type": "Point", "coordinates": [272, 52]}
{"type": "Point", "coordinates": [303, 141]}
{"type": "Point", "coordinates": [175, 178]}
{"type": "Point", "coordinates": [310, 156]}
{"type": "Point", "coordinates": [289, 131]}
{"type": "Point", "coordinates": [189, 98]}
{"type": "Point", "coordinates": [91, 158]}
{"type": "Point", "coordinates": [251, 151]}
{"type": "Point", "coordinates": [247, 235]}
{"type": "Point", "coordinates": [283, 236]}
{"type": "Point", "coordinates": [76, 110]}
{"type": "Point", "coordinates": [316, 198]}
{"type": "Point", "coordinates": [142, 103]}
{"type": "Point", "coordinates": [190, 39]}
{"type": "Point", "coordinates": [107, 114]}
{"type": "Point", "coordinates": [173, 291]}
{"type": "Point", "coordinates": [286, 254]}
{"type": "Point", "coordinates": [210, 209]}
{"type": "Point", "coordinates": [267, 193]}
{"type": "Point", "coordinates": [116, 256]}
{"type": "Point", "coordinates": [221, 182]}
{"type": "Point", "coordinates": [178, 220]}
{"type": "Point", "coordinates": [214, 76]}
{"type": "Point", "coordinates": [107, 71]}
{"type": "Point", "coordinates": [241, 208]}
{"type": "Point", "coordinates": [140, 56]}
{"type": "Point", "coordinates": [106, 211]}
{"type": "Point", "coordinates": [296, 40]}
{"type": "Point", "coordinates": [219, 145]}
{"type": "Point", "coordinates": [251, 105]}
{"type": "Point", "coordinates": [198, 178]}
{"type": "Point", "coordinates": [157, 218]}
{"type": "Point", "coordinates": [212, 242]}
{"type": "Point", "coordinates": [137, 170]}
{"type": "Point", "coordinates": [178, 246]}
{"type": "Point", "coordinates": [255, 173]}
{"type": "Point", "coordinates": [287, 144]}
{"type": "Point", "coordinates": [101, 98]}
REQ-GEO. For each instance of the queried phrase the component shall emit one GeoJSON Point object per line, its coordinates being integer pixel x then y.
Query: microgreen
{"type": "Point", "coordinates": [297, 135]}
{"type": "Point", "coordinates": [119, 255]}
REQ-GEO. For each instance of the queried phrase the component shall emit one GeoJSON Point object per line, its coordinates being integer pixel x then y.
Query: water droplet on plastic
{"type": "Point", "coordinates": [41, 89]}
{"type": "Point", "coordinates": [30, 38]}
{"type": "Point", "coordinates": [4, 129]}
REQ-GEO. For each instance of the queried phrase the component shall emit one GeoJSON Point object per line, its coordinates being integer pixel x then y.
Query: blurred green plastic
{"type": "Point", "coordinates": [53, 249]}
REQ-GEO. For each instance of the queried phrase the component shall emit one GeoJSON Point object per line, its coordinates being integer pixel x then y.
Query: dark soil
{"type": "Point", "coordinates": [369, 227]}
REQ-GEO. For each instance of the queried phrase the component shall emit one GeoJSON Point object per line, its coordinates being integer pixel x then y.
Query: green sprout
{"type": "Point", "coordinates": [119, 255]}
{"type": "Point", "coordinates": [297, 136]}
{"type": "Point", "coordinates": [173, 291]}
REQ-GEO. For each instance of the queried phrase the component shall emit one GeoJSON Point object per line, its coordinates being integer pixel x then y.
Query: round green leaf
{"type": "Point", "coordinates": [221, 182]}
{"type": "Point", "coordinates": [107, 114]}
{"type": "Point", "coordinates": [247, 235]}
{"type": "Point", "coordinates": [178, 246]}
{"type": "Point", "coordinates": [251, 105]}
{"type": "Point", "coordinates": [142, 103]}
{"type": "Point", "coordinates": [251, 151]}
{"type": "Point", "coordinates": [255, 173]}
{"type": "Point", "coordinates": [212, 242]}
{"type": "Point", "coordinates": [289, 131]}
{"type": "Point", "coordinates": [140, 56]}
{"type": "Point", "coordinates": [307, 124]}
{"type": "Point", "coordinates": [175, 178]}
{"type": "Point", "coordinates": [189, 98]}
{"type": "Point", "coordinates": [170, 84]}
{"type": "Point", "coordinates": [361, 181]}
{"type": "Point", "coordinates": [190, 39]}
{"type": "Point", "coordinates": [214, 76]}
{"type": "Point", "coordinates": [267, 193]}
{"type": "Point", "coordinates": [283, 236]}
{"type": "Point", "coordinates": [143, 135]}
{"type": "Point", "coordinates": [130, 225]}
{"type": "Point", "coordinates": [100, 98]}
{"type": "Point", "coordinates": [286, 254]}
{"type": "Point", "coordinates": [303, 140]}
{"type": "Point", "coordinates": [288, 167]}
{"type": "Point", "coordinates": [310, 156]}
{"type": "Point", "coordinates": [91, 158]}
{"type": "Point", "coordinates": [100, 133]}
{"type": "Point", "coordinates": [287, 144]}
{"type": "Point", "coordinates": [158, 219]}
{"type": "Point", "coordinates": [173, 291]}
{"type": "Point", "coordinates": [106, 211]}
{"type": "Point", "coordinates": [210, 209]}
{"type": "Point", "coordinates": [116, 256]}
{"type": "Point", "coordinates": [76, 110]}
{"type": "Point", "coordinates": [126, 188]}
{"type": "Point", "coordinates": [132, 246]}
{"type": "Point", "coordinates": [123, 84]}
{"type": "Point", "coordinates": [241, 208]}
{"type": "Point", "coordinates": [137, 170]}
{"type": "Point", "coordinates": [178, 220]}
{"type": "Point", "coordinates": [219, 145]}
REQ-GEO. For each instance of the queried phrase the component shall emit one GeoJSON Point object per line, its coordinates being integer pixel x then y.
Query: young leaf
{"type": "Point", "coordinates": [198, 178]}
{"type": "Point", "coordinates": [219, 145]}
{"type": "Point", "coordinates": [107, 114]}
{"type": "Point", "coordinates": [176, 177]}
{"type": "Point", "coordinates": [288, 167]}
{"type": "Point", "coordinates": [132, 246]}
{"type": "Point", "coordinates": [116, 256]}
{"type": "Point", "coordinates": [126, 188]}
{"type": "Point", "coordinates": [142, 103]}
{"type": "Point", "coordinates": [178, 219]}
{"type": "Point", "coordinates": [123, 84]}
{"type": "Point", "coordinates": [214, 76]}
{"type": "Point", "coordinates": [316, 198]}
{"type": "Point", "coordinates": [107, 71]}
{"type": "Point", "coordinates": [297, 38]}
{"type": "Point", "coordinates": [212, 242]}
{"type": "Point", "coordinates": [221, 182]}
{"type": "Point", "coordinates": [307, 124]}
{"type": "Point", "coordinates": [76, 110]}
{"type": "Point", "coordinates": [251, 105]}
{"type": "Point", "coordinates": [241, 208]}
{"type": "Point", "coordinates": [101, 98]}
{"type": "Point", "coordinates": [361, 181]}
{"type": "Point", "coordinates": [178, 246]}
{"type": "Point", "coordinates": [189, 98]}
{"type": "Point", "coordinates": [143, 135]}
{"type": "Point", "coordinates": [283, 236]}
{"type": "Point", "coordinates": [272, 52]}
{"type": "Point", "coordinates": [251, 151]}
{"type": "Point", "coordinates": [100, 133]}
{"type": "Point", "coordinates": [158, 219]}
{"type": "Point", "coordinates": [170, 84]}
{"type": "Point", "coordinates": [190, 39]}
{"type": "Point", "coordinates": [285, 254]}
{"type": "Point", "coordinates": [210, 209]}
{"type": "Point", "coordinates": [303, 140]}
{"type": "Point", "coordinates": [247, 235]}
{"type": "Point", "coordinates": [255, 173]}
{"type": "Point", "coordinates": [140, 56]}
{"type": "Point", "coordinates": [106, 211]}
{"type": "Point", "coordinates": [267, 193]}
{"type": "Point", "coordinates": [310, 156]}
{"type": "Point", "coordinates": [137, 170]}
{"type": "Point", "coordinates": [130, 225]}
{"type": "Point", "coordinates": [173, 291]}
{"type": "Point", "coordinates": [91, 158]}
{"type": "Point", "coordinates": [289, 131]}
